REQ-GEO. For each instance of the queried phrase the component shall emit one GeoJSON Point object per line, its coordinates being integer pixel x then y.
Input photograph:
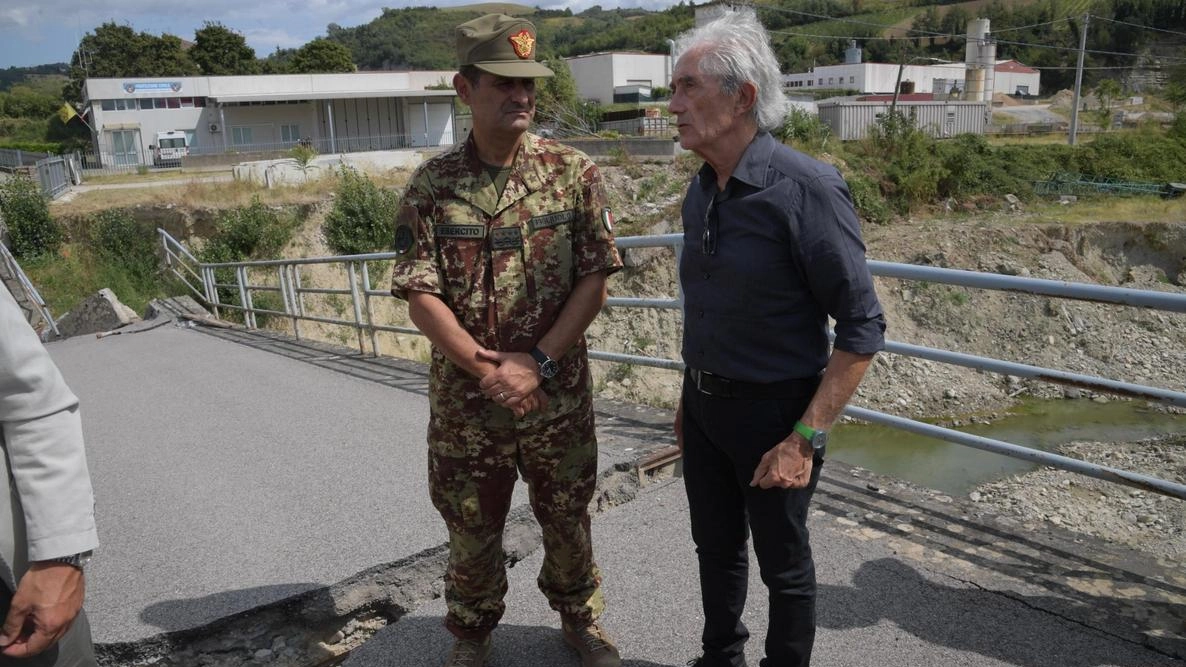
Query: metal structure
{"type": "Point", "coordinates": [12, 277]}
{"type": "Point", "coordinates": [53, 172]}
{"type": "Point", "coordinates": [1066, 183]}
{"type": "Point", "coordinates": [231, 286]}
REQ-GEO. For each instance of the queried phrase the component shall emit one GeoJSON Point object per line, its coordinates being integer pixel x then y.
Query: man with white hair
{"type": "Point", "coordinates": [772, 249]}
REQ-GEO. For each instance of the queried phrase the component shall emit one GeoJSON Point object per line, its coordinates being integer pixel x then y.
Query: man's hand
{"type": "Point", "coordinates": [536, 400]}
{"type": "Point", "coordinates": [515, 379]}
{"type": "Point", "coordinates": [787, 465]}
{"type": "Point", "coordinates": [46, 602]}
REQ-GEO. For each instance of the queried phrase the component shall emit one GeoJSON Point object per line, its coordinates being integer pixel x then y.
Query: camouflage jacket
{"type": "Point", "coordinates": [504, 265]}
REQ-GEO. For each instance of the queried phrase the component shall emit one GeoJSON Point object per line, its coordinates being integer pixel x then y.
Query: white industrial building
{"type": "Point", "coordinates": [608, 78]}
{"type": "Point", "coordinates": [334, 113]}
{"type": "Point", "coordinates": [977, 78]}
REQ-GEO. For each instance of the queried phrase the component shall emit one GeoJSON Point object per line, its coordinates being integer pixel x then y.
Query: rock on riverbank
{"type": "Point", "coordinates": [1149, 521]}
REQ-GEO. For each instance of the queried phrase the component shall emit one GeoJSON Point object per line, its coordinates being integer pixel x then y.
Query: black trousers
{"type": "Point", "coordinates": [724, 439]}
{"type": "Point", "coordinates": [72, 650]}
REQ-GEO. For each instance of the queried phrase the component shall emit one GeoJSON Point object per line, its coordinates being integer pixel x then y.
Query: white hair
{"type": "Point", "coordinates": [736, 49]}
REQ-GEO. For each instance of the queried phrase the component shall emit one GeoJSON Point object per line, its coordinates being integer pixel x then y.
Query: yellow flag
{"type": "Point", "coordinates": [66, 112]}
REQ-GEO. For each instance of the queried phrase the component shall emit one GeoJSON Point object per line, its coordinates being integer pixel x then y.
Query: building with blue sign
{"type": "Point", "coordinates": [131, 119]}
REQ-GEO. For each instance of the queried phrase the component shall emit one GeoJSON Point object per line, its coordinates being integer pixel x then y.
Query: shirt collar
{"type": "Point", "coordinates": [751, 168]}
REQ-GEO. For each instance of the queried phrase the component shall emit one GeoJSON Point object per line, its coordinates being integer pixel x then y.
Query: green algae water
{"type": "Point", "coordinates": [957, 469]}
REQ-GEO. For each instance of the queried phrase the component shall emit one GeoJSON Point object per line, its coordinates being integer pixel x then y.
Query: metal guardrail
{"type": "Point", "coordinates": [289, 286]}
{"type": "Point", "coordinates": [14, 269]}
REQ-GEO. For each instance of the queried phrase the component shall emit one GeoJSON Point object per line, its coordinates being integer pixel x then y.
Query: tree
{"type": "Point", "coordinates": [321, 56]}
{"type": "Point", "coordinates": [218, 50]}
{"type": "Point", "coordinates": [114, 51]}
{"type": "Point", "coordinates": [1108, 91]}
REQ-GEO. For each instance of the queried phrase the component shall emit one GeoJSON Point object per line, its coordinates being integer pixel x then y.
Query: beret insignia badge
{"type": "Point", "coordinates": [523, 43]}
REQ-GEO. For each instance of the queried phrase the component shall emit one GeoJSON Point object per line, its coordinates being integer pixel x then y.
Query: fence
{"type": "Point", "coordinates": [13, 277]}
{"type": "Point", "coordinates": [235, 280]}
{"type": "Point", "coordinates": [55, 173]}
{"type": "Point", "coordinates": [214, 153]}
{"type": "Point", "coordinates": [17, 159]}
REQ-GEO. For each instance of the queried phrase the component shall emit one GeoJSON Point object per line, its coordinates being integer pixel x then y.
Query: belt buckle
{"type": "Point", "coordinates": [700, 377]}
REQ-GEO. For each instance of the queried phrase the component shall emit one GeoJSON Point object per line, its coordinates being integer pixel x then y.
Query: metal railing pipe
{"type": "Point", "coordinates": [641, 302]}
{"type": "Point", "coordinates": [654, 362]}
{"type": "Point", "coordinates": [1037, 372]}
{"type": "Point", "coordinates": [995, 281]}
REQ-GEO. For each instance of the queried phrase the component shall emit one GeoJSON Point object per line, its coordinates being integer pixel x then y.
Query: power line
{"type": "Point", "coordinates": [1137, 25]}
{"type": "Point", "coordinates": [1036, 25]}
{"type": "Point", "coordinates": [1115, 67]}
{"type": "Point", "coordinates": [926, 33]}
{"type": "Point", "coordinates": [1094, 51]}
{"type": "Point", "coordinates": [825, 17]}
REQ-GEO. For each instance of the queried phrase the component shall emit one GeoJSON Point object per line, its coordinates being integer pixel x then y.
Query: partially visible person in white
{"type": "Point", "coordinates": [47, 521]}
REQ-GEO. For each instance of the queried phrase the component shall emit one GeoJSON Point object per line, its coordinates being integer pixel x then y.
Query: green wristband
{"type": "Point", "coordinates": [804, 430]}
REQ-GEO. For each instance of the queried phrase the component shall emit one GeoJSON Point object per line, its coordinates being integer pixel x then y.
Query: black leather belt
{"type": "Point", "coordinates": [723, 387]}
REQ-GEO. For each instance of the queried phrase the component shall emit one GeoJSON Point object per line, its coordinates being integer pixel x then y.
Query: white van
{"type": "Point", "coordinates": [169, 148]}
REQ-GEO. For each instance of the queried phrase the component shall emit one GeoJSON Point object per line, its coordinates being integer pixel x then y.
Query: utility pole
{"type": "Point", "coordinates": [1078, 82]}
{"type": "Point", "coordinates": [898, 83]}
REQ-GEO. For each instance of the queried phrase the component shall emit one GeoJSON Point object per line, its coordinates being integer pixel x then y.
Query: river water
{"type": "Point", "coordinates": [957, 469]}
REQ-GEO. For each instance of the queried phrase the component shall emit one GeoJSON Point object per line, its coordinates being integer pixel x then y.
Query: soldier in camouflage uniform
{"type": "Point", "coordinates": [505, 243]}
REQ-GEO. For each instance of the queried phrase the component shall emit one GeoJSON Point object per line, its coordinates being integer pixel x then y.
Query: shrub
{"type": "Point", "coordinates": [866, 197]}
{"type": "Point", "coordinates": [363, 217]}
{"type": "Point", "coordinates": [303, 154]}
{"type": "Point", "coordinates": [248, 232]}
{"type": "Point", "coordinates": [805, 131]}
{"type": "Point", "coordinates": [908, 160]}
{"type": "Point", "coordinates": [26, 213]}
{"type": "Point", "coordinates": [32, 146]}
{"type": "Point", "coordinates": [118, 238]}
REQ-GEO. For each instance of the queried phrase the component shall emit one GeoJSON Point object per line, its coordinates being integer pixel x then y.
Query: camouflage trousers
{"type": "Point", "coordinates": [472, 471]}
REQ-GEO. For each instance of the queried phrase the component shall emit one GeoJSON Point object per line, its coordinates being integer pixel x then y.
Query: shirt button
{"type": "Point", "coordinates": [706, 275]}
{"type": "Point", "coordinates": [701, 313]}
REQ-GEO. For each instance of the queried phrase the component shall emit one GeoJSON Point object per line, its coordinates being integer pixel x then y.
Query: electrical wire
{"type": "Point", "coordinates": [1137, 25]}
{"type": "Point", "coordinates": [1036, 25]}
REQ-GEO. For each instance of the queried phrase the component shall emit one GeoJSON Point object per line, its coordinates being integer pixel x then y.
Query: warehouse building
{"type": "Point", "coordinates": [142, 121]}
{"type": "Point", "coordinates": [609, 78]}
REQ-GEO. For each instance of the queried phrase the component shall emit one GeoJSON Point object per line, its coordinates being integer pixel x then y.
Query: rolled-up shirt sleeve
{"type": "Point", "coordinates": [41, 432]}
{"type": "Point", "coordinates": [416, 266]}
{"type": "Point", "coordinates": [837, 272]}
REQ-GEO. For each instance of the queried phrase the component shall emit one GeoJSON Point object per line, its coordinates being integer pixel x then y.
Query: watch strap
{"type": "Point", "coordinates": [78, 560]}
{"type": "Point", "coordinates": [806, 431]}
{"type": "Point", "coordinates": [539, 355]}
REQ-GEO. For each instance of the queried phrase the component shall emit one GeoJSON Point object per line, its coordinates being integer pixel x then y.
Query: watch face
{"type": "Point", "coordinates": [549, 369]}
{"type": "Point", "coordinates": [819, 440]}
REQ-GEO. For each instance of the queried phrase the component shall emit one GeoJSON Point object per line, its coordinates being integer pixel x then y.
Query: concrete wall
{"type": "Point", "coordinates": [639, 147]}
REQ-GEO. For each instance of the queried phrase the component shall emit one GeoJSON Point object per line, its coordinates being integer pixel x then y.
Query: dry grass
{"type": "Point", "coordinates": [1127, 209]}
{"type": "Point", "coordinates": [198, 194]}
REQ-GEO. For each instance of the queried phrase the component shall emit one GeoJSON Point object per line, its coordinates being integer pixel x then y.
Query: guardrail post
{"type": "Point", "coordinates": [286, 297]}
{"type": "Point", "coordinates": [245, 296]}
{"type": "Point", "coordinates": [366, 300]}
{"type": "Point", "coordinates": [357, 306]}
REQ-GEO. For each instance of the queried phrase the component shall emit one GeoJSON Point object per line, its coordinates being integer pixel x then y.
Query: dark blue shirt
{"type": "Point", "coordinates": [782, 254]}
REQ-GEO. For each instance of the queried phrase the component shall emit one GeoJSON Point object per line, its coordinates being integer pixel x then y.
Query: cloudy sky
{"type": "Point", "coordinates": [36, 32]}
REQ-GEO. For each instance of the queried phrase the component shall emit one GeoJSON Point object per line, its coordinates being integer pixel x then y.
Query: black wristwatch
{"type": "Point", "coordinates": [78, 560]}
{"type": "Point", "coordinates": [818, 439]}
{"type": "Point", "coordinates": [548, 368]}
